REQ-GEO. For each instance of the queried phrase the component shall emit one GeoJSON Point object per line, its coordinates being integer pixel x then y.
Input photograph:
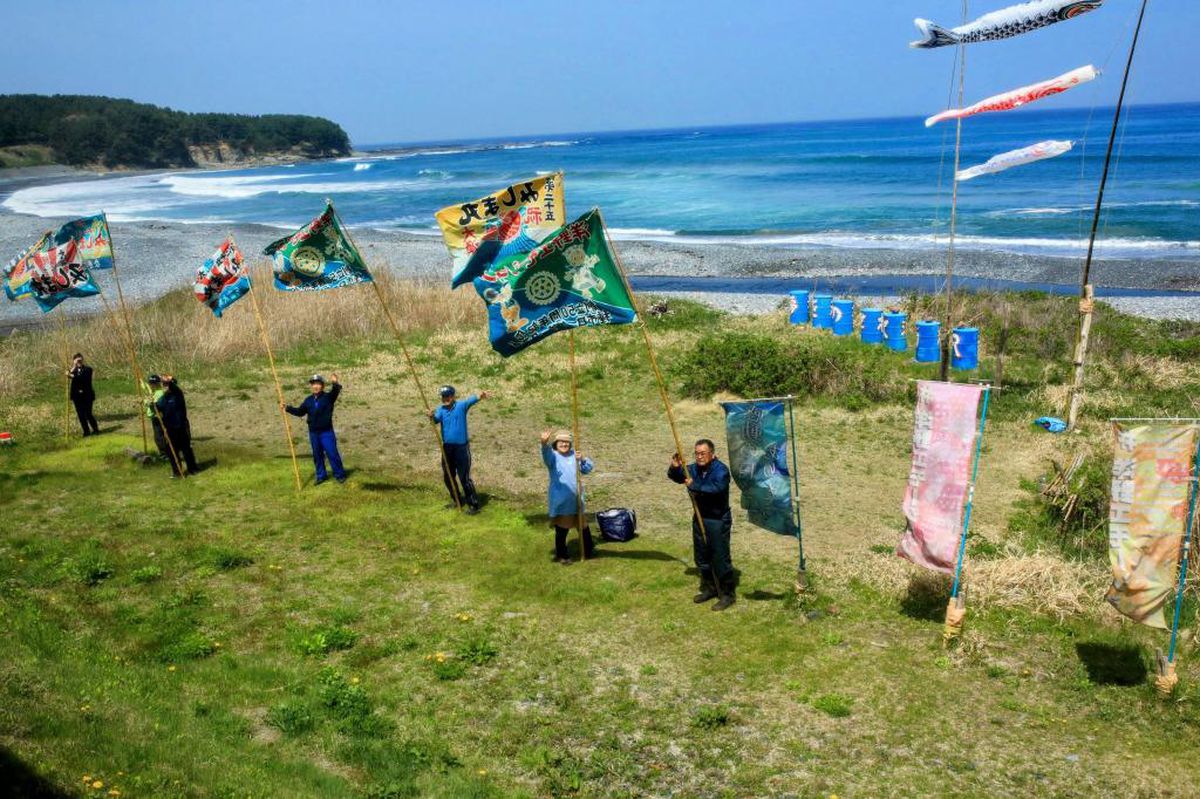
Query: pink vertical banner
{"type": "Point", "coordinates": [944, 431]}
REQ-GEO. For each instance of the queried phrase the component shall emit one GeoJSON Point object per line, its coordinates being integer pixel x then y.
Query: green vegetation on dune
{"type": "Point", "coordinates": [224, 636]}
{"type": "Point", "coordinates": [109, 132]}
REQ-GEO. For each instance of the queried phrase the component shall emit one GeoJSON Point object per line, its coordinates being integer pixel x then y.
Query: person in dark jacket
{"type": "Point", "coordinates": [456, 446]}
{"type": "Point", "coordinates": [318, 407]}
{"type": "Point", "coordinates": [172, 409]}
{"type": "Point", "coordinates": [82, 394]}
{"type": "Point", "coordinates": [707, 481]}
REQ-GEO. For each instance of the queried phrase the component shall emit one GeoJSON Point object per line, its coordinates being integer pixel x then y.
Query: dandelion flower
{"type": "Point", "coordinates": [97, 785]}
{"type": "Point", "coordinates": [354, 681]}
{"type": "Point", "coordinates": [171, 667]}
{"type": "Point", "coordinates": [482, 772]}
{"type": "Point", "coordinates": [114, 792]}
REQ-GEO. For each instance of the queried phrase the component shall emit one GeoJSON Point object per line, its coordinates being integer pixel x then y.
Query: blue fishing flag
{"type": "Point", "coordinates": [222, 280]}
{"type": "Point", "coordinates": [92, 238]}
{"type": "Point", "coordinates": [18, 273]}
{"type": "Point", "coordinates": [758, 442]}
{"type": "Point", "coordinates": [570, 280]}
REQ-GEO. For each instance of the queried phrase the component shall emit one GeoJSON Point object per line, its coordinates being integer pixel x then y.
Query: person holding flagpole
{"type": "Point", "coordinates": [456, 446]}
{"type": "Point", "coordinates": [83, 395]}
{"type": "Point", "coordinates": [318, 407]}
{"type": "Point", "coordinates": [565, 506]}
{"type": "Point", "coordinates": [707, 481]}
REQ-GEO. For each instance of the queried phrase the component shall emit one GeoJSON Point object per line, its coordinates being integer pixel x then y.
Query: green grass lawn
{"type": "Point", "coordinates": [223, 636]}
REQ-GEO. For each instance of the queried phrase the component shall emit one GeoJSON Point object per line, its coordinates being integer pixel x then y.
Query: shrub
{"type": "Point", "coordinates": [477, 651]}
{"type": "Point", "coordinates": [1068, 509]}
{"type": "Point", "coordinates": [711, 717]}
{"type": "Point", "coordinates": [836, 705]}
{"type": "Point", "coordinates": [147, 574]}
{"type": "Point", "coordinates": [325, 640]}
{"type": "Point", "coordinates": [291, 718]}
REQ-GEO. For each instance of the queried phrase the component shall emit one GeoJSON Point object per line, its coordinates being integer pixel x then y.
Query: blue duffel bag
{"type": "Point", "coordinates": [617, 524]}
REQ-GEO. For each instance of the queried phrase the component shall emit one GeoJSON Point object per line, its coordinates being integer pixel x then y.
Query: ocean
{"type": "Point", "coordinates": [879, 183]}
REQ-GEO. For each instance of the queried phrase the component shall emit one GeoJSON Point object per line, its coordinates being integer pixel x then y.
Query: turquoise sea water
{"type": "Point", "coordinates": [865, 183]}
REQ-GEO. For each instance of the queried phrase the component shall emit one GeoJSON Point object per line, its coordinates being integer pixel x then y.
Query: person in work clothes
{"type": "Point", "coordinates": [707, 481]}
{"type": "Point", "coordinates": [172, 408]}
{"type": "Point", "coordinates": [82, 394]}
{"type": "Point", "coordinates": [565, 506]}
{"type": "Point", "coordinates": [456, 446]}
{"type": "Point", "coordinates": [318, 407]}
{"type": "Point", "coordinates": [155, 391]}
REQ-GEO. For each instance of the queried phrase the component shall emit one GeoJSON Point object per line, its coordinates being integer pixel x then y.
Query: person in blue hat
{"type": "Point", "coordinates": [318, 407]}
{"type": "Point", "coordinates": [456, 446]}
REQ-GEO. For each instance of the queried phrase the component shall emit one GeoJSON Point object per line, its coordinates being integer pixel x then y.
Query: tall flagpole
{"type": "Point", "coordinates": [575, 445]}
{"type": "Point", "coordinates": [412, 368]}
{"type": "Point", "coordinates": [133, 361]}
{"type": "Point", "coordinates": [946, 333]}
{"type": "Point", "coordinates": [802, 566]}
{"type": "Point", "coordinates": [662, 386]}
{"type": "Point", "coordinates": [1085, 287]}
{"type": "Point", "coordinates": [955, 609]}
{"type": "Point", "coordinates": [262, 332]}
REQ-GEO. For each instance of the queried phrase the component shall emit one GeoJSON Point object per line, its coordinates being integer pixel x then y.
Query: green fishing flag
{"type": "Point", "coordinates": [570, 280]}
{"type": "Point", "coordinates": [317, 256]}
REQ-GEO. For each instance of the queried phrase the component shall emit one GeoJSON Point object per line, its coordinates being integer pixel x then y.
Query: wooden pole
{"type": "Point", "coordinates": [133, 362]}
{"type": "Point", "coordinates": [62, 340]}
{"type": "Point", "coordinates": [412, 369]}
{"type": "Point", "coordinates": [662, 385]}
{"type": "Point", "coordinates": [287, 427]}
{"type": "Point", "coordinates": [1086, 294]}
{"type": "Point", "coordinates": [575, 445]}
{"type": "Point", "coordinates": [962, 68]}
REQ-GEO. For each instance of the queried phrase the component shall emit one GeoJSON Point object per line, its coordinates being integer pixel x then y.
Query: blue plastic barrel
{"type": "Point", "coordinates": [843, 317]}
{"type": "Point", "coordinates": [928, 349]}
{"type": "Point", "coordinates": [799, 315]}
{"type": "Point", "coordinates": [872, 325]}
{"type": "Point", "coordinates": [894, 334]}
{"type": "Point", "coordinates": [964, 348]}
{"type": "Point", "coordinates": [821, 311]}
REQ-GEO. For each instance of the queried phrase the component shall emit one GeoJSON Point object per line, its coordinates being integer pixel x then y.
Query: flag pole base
{"type": "Point", "coordinates": [801, 584]}
{"type": "Point", "coordinates": [956, 613]}
{"type": "Point", "coordinates": [1166, 679]}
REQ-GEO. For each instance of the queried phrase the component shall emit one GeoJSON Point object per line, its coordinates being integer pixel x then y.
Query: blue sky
{"type": "Point", "coordinates": [420, 71]}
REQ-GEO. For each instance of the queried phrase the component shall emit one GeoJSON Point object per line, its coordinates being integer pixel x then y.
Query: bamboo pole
{"type": "Point", "coordinates": [287, 427]}
{"type": "Point", "coordinates": [412, 369]}
{"type": "Point", "coordinates": [62, 340]}
{"type": "Point", "coordinates": [1086, 301]}
{"type": "Point", "coordinates": [662, 386]}
{"type": "Point", "coordinates": [962, 68]}
{"type": "Point", "coordinates": [136, 368]}
{"type": "Point", "coordinates": [575, 445]}
{"type": "Point", "coordinates": [802, 567]}
{"type": "Point", "coordinates": [957, 603]}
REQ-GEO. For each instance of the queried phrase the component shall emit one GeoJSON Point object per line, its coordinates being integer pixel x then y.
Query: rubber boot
{"type": "Point", "coordinates": [707, 591]}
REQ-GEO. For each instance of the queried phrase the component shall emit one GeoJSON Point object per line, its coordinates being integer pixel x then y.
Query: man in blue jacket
{"type": "Point", "coordinates": [707, 481]}
{"type": "Point", "coordinates": [318, 407]}
{"type": "Point", "coordinates": [456, 446]}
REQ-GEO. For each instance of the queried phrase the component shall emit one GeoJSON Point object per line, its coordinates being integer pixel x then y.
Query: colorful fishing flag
{"type": "Point", "coordinates": [57, 273]}
{"type": "Point", "coordinates": [317, 256]}
{"type": "Point", "coordinates": [944, 430]}
{"type": "Point", "coordinates": [572, 280]}
{"type": "Point", "coordinates": [222, 280]}
{"type": "Point", "coordinates": [1019, 97]}
{"type": "Point", "coordinates": [1152, 469]}
{"type": "Point", "coordinates": [502, 226]}
{"type": "Point", "coordinates": [17, 273]}
{"type": "Point", "coordinates": [93, 239]}
{"type": "Point", "coordinates": [758, 443]}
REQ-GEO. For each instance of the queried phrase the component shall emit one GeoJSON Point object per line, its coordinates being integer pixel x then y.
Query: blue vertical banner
{"type": "Point", "coordinates": [758, 447]}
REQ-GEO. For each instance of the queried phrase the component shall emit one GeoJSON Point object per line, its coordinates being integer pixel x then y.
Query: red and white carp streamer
{"type": "Point", "coordinates": [1011, 21]}
{"type": "Point", "coordinates": [1019, 97]}
{"type": "Point", "coordinates": [1026, 155]}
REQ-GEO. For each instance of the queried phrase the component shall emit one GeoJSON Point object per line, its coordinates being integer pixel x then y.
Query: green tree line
{"type": "Point", "coordinates": [121, 133]}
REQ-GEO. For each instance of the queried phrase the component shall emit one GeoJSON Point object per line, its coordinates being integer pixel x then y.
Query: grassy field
{"type": "Point", "coordinates": [222, 636]}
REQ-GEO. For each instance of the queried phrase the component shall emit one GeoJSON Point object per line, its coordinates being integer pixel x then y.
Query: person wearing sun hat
{"type": "Point", "coordinates": [565, 505]}
{"type": "Point", "coordinates": [318, 407]}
